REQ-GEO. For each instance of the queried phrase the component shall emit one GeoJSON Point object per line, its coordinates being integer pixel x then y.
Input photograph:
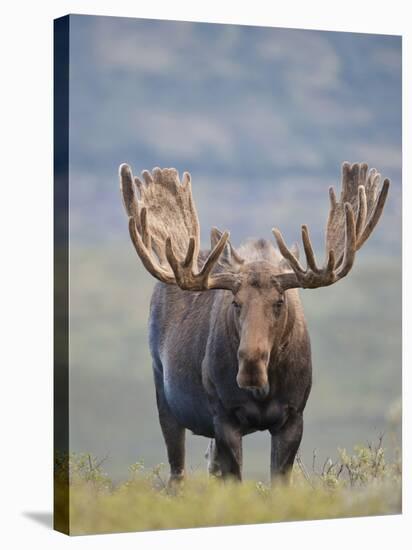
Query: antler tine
{"type": "Point", "coordinates": [307, 246]}
{"type": "Point", "coordinates": [146, 257]}
{"type": "Point", "coordinates": [147, 241]}
{"type": "Point", "coordinates": [128, 192]}
{"type": "Point", "coordinates": [350, 223]}
{"type": "Point", "coordinates": [376, 214]}
{"type": "Point", "coordinates": [313, 276]}
{"type": "Point", "coordinates": [363, 200]}
{"type": "Point", "coordinates": [362, 210]}
{"type": "Point", "coordinates": [188, 261]}
{"type": "Point", "coordinates": [214, 254]}
{"type": "Point", "coordinates": [161, 211]}
{"type": "Point", "coordinates": [287, 253]}
{"type": "Point", "coordinates": [184, 273]}
{"type": "Point", "coordinates": [350, 243]}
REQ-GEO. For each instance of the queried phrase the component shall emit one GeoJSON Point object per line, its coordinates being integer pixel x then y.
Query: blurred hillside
{"type": "Point", "coordinates": [257, 115]}
{"type": "Point", "coordinates": [262, 118]}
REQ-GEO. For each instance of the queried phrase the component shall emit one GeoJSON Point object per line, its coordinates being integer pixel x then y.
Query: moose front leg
{"type": "Point", "coordinates": [285, 445]}
{"type": "Point", "coordinates": [174, 436]}
{"type": "Point", "coordinates": [228, 448]}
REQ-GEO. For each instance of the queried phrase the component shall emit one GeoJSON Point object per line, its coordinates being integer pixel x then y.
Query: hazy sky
{"type": "Point", "coordinates": [247, 110]}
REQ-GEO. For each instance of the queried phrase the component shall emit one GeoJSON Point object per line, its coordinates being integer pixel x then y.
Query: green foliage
{"type": "Point", "coordinates": [78, 469]}
{"type": "Point", "coordinates": [364, 467]}
{"type": "Point", "coordinates": [357, 484]}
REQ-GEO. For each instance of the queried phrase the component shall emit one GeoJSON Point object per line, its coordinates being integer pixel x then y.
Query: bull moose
{"type": "Point", "coordinates": [230, 347]}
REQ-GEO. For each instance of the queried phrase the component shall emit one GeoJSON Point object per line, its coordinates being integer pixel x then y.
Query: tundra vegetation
{"type": "Point", "coordinates": [357, 483]}
{"type": "Point", "coordinates": [228, 337]}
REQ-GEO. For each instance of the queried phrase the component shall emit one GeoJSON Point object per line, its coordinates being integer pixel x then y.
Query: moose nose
{"type": "Point", "coordinates": [252, 372]}
{"type": "Point", "coordinates": [253, 356]}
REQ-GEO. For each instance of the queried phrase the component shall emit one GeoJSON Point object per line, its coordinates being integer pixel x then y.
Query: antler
{"type": "Point", "coordinates": [350, 223]}
{"type": "Point", "coordinates": [164, 229]}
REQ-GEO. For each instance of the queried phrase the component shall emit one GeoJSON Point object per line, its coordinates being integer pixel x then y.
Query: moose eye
{"type": "Point", "coordinates": [236, 305]}
{"type": "Point", "coordinates": [277, 306]}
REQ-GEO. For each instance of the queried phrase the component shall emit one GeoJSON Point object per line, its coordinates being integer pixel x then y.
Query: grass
{"type": "Point", "coordinates": [360, 483]}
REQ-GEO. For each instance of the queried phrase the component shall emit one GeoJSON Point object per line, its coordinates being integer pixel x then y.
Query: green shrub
{"type": "Point", "coordinates": [357, 484]}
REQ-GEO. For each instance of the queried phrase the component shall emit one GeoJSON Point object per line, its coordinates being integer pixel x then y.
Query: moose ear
{"type": "Point", "coordinates": [295, 251]}
{"type": "Point", "coordinates": [229, 255]}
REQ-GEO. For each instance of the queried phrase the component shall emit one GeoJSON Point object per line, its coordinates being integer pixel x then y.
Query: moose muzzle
{"type": "Point", "coordinates": [253, 369]}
